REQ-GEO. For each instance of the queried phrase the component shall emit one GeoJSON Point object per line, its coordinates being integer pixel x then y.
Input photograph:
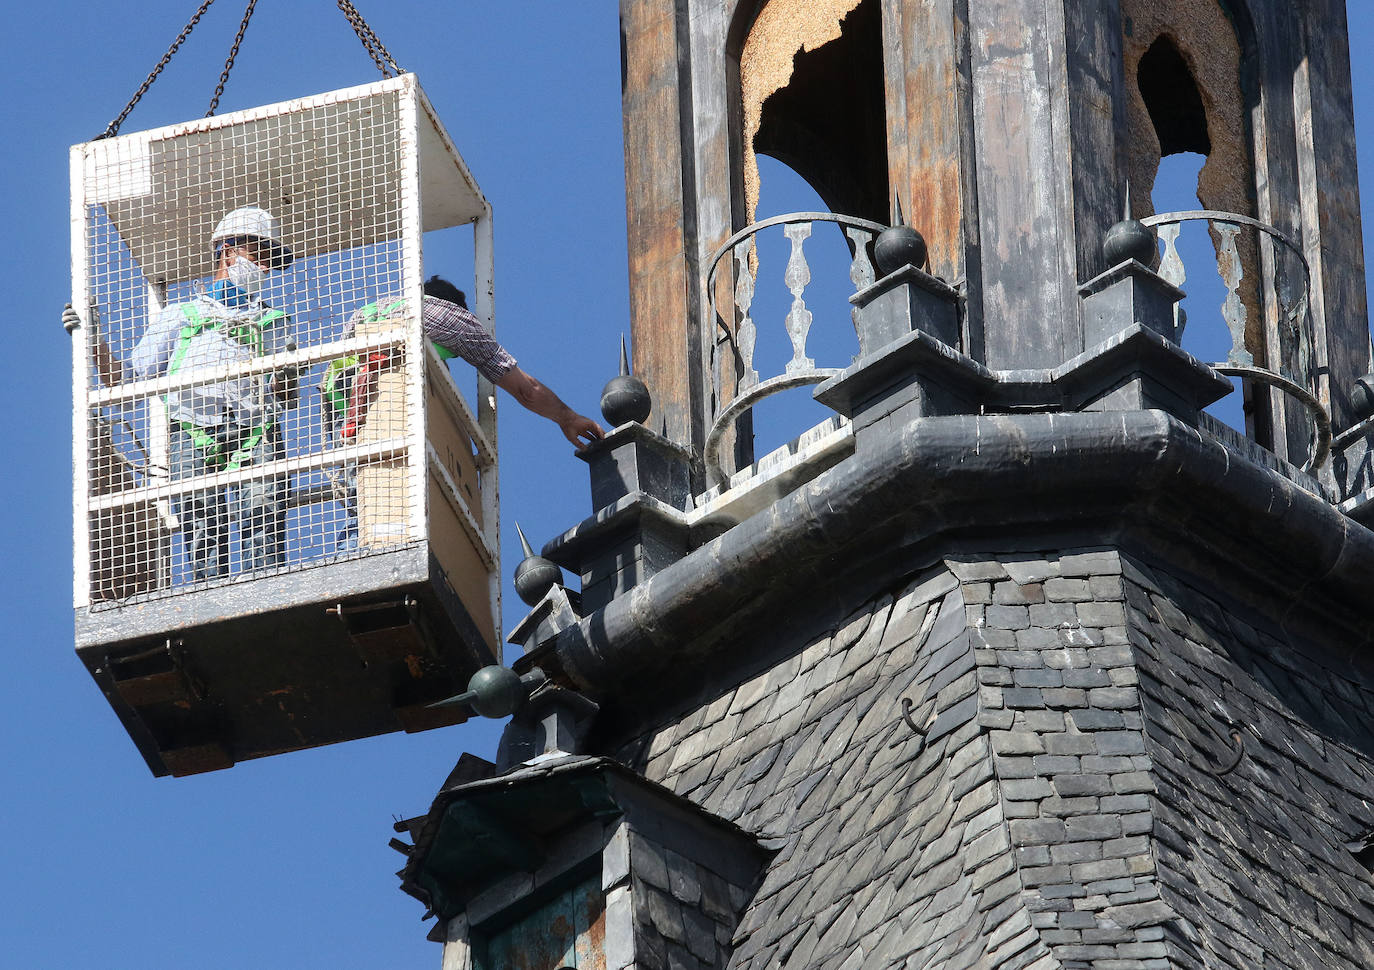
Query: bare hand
{"type": "Point", "coordinates": [578, 427]}
{"type": "Point", "coordinates": [70, 320]}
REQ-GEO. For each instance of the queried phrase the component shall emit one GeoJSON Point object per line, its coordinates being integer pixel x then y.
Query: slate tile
{"type": "Point", "coordinates": [1073, 853]}
{"type": "Point", "coordinates": [1014, 593]}
{"type": "Point", "coordinates": [683, 881]}
{"type": "Point", "coordinates": [1017, 742]}
{"type": "Point", "coordinates": [1071, 590]}
{"type": "Point", "coordinates": [1054, 617]}
{"type": "Point", "coordinates": [1140, 914]}
{"type": "Point", "coordinates": [1058, 807]}
{"type": "Point", "coordinates": [975, 571]}
{"type": "Point", "coordinates": [1040, 831]}
{"type": "Point", "coordinates": [1019, 697]}
{"type": "Point", "coordinates": [1044, 677]}
{"type": "Point", "coordinates": [1105, 562]}
{"type": "Point", "coordinates": [1065, 697]}
{"type": "Point", "coordinates": [1044, 721]}
{"type": "Point", "coordinates": [647, 861]}
{"type": "Point", "coordinates": [1091, 677]}
{"type": "Point", "coordinates": [1071, 786]}
{"type": "Point", "coordinates": [1008, 617]}
{"type": "Point", "coordinates": [949, 622]}
{"type": "Point", "coordinates": [1065, 743]}
{"type": "Point", "coordinates": [1066, 658]}
{"type": "Point", "coordinates": [977, 594]}
{"type": "Point", "coordinates": [1113, 698]}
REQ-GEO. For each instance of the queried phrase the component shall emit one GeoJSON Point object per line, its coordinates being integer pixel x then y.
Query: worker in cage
{"type": "Point", "coordinates": [231, 424]}
{"type": "Point", "coordinates": [453, 331]}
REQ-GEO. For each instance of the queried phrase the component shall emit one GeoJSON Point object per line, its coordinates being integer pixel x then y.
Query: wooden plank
{"type": "Point", "coordinates": [1024, 226]}
{"type": "Point", "coordinates": [1096, 111]}
{"type": "Point", "coordinates": [658, 241]}
{"type": "Point", "coordinates": [1331, 205]}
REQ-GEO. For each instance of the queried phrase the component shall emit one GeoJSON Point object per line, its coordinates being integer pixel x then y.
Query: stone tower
{"type": "Point", "coordinates": [1022, 660]}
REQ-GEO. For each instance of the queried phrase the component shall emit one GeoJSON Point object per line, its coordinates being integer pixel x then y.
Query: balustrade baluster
{"type": "Point", "coordinates": [860, 270]}
{"type": "Point", "coordinates": [745, 332]}
{"type": "Point", "coordinates": [798, 317]}
{"type": "Point", "coordinates": [1232, 309]}
{"type": "Point", "coordinates": [1172, 269]}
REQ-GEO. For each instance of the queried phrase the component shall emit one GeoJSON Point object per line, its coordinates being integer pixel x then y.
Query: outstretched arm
{"type": "Point", "coordinates": [545, 403]}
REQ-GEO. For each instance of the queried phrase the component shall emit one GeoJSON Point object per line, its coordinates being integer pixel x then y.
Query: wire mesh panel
{"type": "Point", "coordinates": [254, 396]}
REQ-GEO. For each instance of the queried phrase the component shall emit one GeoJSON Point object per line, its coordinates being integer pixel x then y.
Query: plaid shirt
{"type": "Point", "coordinates": [456, 330]}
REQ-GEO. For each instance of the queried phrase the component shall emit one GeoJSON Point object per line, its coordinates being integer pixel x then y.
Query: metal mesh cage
{"type": "Point", "coordinates": [253, 392]}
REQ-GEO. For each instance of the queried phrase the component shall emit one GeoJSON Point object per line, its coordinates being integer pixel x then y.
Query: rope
{"type": "Point", "coordinates": [113, 128]}
{"type": "Point", "coordinates": [233, 53]}
{"type": "Point", "coordinates": [370, 40]}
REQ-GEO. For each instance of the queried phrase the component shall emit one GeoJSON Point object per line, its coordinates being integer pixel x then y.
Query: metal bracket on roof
{"type": "Point", "coordinates": [907, 707]}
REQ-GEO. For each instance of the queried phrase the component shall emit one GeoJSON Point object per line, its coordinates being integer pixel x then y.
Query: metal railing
{"type": "Point", "coordinates": [739, 330]}
{"type": "Point", "coordinates": [1283, 291]}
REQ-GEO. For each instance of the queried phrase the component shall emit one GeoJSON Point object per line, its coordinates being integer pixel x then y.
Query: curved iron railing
{"type": "Point", "coordinates": [739, 330]}
{"type": "Point", "coordinates": [1287, 328]}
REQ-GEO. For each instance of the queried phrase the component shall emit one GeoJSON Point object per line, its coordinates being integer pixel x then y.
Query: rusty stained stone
{"type": "Point", "coordinates": [782, 30]}
{"type": "Point", "coordinates": [653, 189]}
{"type": "Point", "coordinates": [924, 154]}
{"type": "Point", "coordinates": [935, 211]}
{"type": "Point", "coordinates": [1206, 38]}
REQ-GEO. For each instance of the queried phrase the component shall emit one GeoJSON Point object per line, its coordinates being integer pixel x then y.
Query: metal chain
{"type": "Point", "coordinates": [375, 48]}
{"type": "Point", "coordinates": [113, 128]}
{"type": "Point", "coordinates": [233, 53]}
{"type": "Point", "coordinates": [370, 39]}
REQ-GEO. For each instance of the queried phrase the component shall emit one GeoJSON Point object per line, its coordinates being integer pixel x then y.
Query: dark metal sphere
{"type": "Point", "coordinates": [625, 398]}
{"type": "Point", "coordinates": [1362, 398]}
{"type": "Point", "coordinates": [534, 577]}
{"type": "Point", "coordinates": [897, 247]}
{"type": "Point", "coordinates": [1129, 239]}
{"type": "Point", "coordinates": [496, 691]}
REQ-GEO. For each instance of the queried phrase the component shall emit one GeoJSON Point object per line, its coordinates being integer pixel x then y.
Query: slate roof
{"type": "Point", "coordinates": [1051, 816]}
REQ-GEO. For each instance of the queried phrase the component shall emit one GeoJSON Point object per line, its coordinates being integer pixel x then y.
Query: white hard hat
{"type": "Point", "coordinates": [251, 222]}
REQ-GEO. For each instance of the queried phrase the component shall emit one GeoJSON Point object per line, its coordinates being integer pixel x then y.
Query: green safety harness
{"type": "Point", "coordinates": [332, 388]}
{"type": "Point", "coordinates": [217, 454]}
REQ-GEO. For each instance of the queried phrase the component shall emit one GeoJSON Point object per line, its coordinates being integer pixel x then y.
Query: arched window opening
{"type": "Point", "coordinates": [1175, 190]}
{"type": "Point", "coordinates": [1189, 149]}
{"type": "Point", "coordinates": [811, 103]}
{"type": "Point", "coordinates": [1173, 100]}
{"type": "Point", "coordinates": [831, 340]}
{"type": "Point", "coordinates": [811, 81]}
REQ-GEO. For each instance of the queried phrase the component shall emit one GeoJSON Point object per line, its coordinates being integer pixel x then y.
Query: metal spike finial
{"type": "Point", "coordinates": [1129, 239]}
{"type": "Point", "coordinates": [899, 245]}
{"type": "Point", "coordinates": [534, 575]}
{"type": "Point", "coordinates": [625, 398]}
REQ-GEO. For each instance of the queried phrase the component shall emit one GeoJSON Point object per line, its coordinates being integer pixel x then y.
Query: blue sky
{"type": "Point", "coordinates": [283, 862]}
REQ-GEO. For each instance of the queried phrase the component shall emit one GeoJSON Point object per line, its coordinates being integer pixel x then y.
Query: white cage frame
{"type": "Point", "coordinates": [437, 191]}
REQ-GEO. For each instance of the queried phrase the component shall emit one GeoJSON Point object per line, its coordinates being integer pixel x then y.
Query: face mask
{"type": "Point", "coordinates": [248, 276]}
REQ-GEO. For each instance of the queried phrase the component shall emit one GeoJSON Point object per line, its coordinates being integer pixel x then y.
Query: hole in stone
{"type": "Point", "coordinates": [1174, 102]}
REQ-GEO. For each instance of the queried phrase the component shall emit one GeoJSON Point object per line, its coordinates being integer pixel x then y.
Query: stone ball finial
{"type": "Point", "coordinates": [495, 691]}
{"type": "Point", "coordinates": [625, 397]}
{"type": "Point", "coordinates": [899, 246]}
{"type": "Point", "coordinates": [535, 575]}
{"type": "Point", "coordinates": [1129, 239]}
{"type": "Point", "coordinates": [1362, 398]}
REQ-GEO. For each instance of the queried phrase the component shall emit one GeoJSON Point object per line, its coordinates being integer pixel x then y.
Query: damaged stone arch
{"type": "Point", "coordinates": [1190, 82]}
{"type": "Point", "coordinates": [1192, 86]}
{"type": "Point", "coordinates": [807, 83]}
